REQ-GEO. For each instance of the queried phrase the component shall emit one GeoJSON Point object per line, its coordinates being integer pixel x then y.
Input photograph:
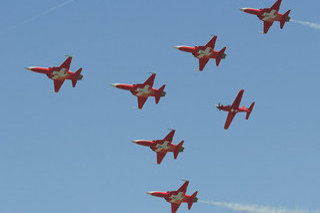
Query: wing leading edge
{"type": "Point", "coordinates": [174, 207]}
{"type": "Point", "coordinates": [57, 84]}
{"type": "Point", "coordinates": [66, 64]}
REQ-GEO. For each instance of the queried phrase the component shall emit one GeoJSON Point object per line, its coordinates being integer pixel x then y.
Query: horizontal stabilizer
{"type": "Point", "coordinates": [250, 110]}
{"type": "Point", "coordinates": [178, 149]}
{"type": "Point", "coordinates": [159, 94]}
{"type": "Point", "coordinates": [77, 76]}
{"type": "Point", "coordinates": [221, 56]}
{"type": "Point", "coordinates": [192, 199]}
{"type": "Point", "coordinates": [285, 18]}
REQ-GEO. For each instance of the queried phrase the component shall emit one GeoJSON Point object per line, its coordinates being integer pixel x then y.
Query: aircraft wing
{"type": "Point", "coordinates": [169, 137]}
{"type": "Point", "coordinates": [66, 63]}
{"type": "Point", "coordinates": [266, 26]}
{"type": "Point", "coordinates": [212, 42]}
{"type": "Point", "coordinates": [184, 187]}
{"type": "Point", "coordinates": [276, 6]}
{"type": "Point", "coordinates": [141, 101]}
{"type": "Point", "coordinates": [202, 63]}
{"type": "Point", "coordinates": [150, 80]}
{"type": "Point", "coordinates": [237, 101]}
{"type": "Point", "coordinates": [229, 120]}
{"type": "Point", "coordinates": [160, 156]}
{"type": "Point", "coordinates": [57, 84]}
{"type": "Point", "coordinates": [174, 207]}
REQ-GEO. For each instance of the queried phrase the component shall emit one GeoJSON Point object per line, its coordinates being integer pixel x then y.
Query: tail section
{"type": "Point", "coordinates": [250, 110]}
{"type": "Point", "coordinates": [160, 93]}
{"type": "Point", "coordinates": [192, 199]}
{"type": "Point", "coordinates": [178, 149]}
{"type": "Point", "coordinates": [222, 55]}
{"type": "Point", "coordinates": [77, 76]}
{"type": "Point", "coordinates": [285, 18]}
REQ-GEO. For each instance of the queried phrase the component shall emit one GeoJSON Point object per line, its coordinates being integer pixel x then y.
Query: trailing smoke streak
{"type": "Point", "coordinates": [253, 208]}
{"type": "Point", "coordinates": [309, 24]}
{"type": "Point", "coordinates": [39, 15]}
{"type": "Point", "coordinates": [47, 11]}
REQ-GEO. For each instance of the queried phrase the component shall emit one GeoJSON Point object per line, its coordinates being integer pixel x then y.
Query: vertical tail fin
{"type": "Point", "coordinates": [76, 77]}
{"type": "Point", "coordinates": [250, 110]}
{"type": "Point", "coordinates": [192, 199]}
{"type": "Point", "coordinates": [285, 18]}
{"type": "Point", "coordinates": [221, 56]}
{"type": "Point", "coordinates": [178, 149]}
{"type": "Point", "coordinates": [160, 93]}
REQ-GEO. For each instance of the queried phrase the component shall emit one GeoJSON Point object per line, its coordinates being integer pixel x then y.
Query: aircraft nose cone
{"type": "Point", "coordinates": [177, 47]}
{"type": "Point", "coordinates": [149, 193]}
{"type": "Point", "coordinates": [114, 85]}
{"type": "Point", "coordinates": [135, 141]}
{"type": "Point", "coordinates": [29, 68]}
{"type": "Point", "coordinates": [243, 9]}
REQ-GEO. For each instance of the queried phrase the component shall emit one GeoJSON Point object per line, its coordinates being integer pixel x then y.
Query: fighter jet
{"type": "Point", "coordinates": [161, 147]}
{"type": "Point", "coordinates": [269, 15]}
{"type": "Point", "coordinates": [143, 91]}
{"type": "Point", "coordinates": [234, 109]}
{"type": "Point", "coordinates": [59, 74]}
{"type": "Point", "coordinates": [177, 197]}
{"type": "Point", "coordinates": [204, 53]}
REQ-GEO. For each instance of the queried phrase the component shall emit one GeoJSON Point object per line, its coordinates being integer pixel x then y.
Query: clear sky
{"type": "Point", "coordinates": [72, 151]}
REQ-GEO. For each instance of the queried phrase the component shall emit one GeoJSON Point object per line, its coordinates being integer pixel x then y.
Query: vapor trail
{"type": "Point", "coordinates": [249, 208]}
{"type": "Point", "coordinates": [309, 24]}
{"type": "Point", "coordinates": [40, 15]}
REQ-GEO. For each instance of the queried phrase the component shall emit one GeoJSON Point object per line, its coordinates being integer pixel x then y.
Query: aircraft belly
{"type": "Point", "coordinates": [176, 201]}
{"type": "Point", "coordinates": [58, 78]}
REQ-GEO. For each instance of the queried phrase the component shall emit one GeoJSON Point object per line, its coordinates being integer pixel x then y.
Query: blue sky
{"type": "Point", "coordinates": [71, 151]}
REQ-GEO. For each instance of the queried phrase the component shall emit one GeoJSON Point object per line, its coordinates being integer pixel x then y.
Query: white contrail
{"type": "Point", "coordinates": [47, 11]}
{"type": "Point", "coordinates": [39, 15]}
{"type": "Point", "coordinates": [249, 208]}
{"type": "Point", "coordinates": [309, 24]}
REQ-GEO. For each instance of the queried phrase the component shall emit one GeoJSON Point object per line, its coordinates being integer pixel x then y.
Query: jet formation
{"type": "Point", "coordinates": [269, 15]}
{"type": "Point", "coordinates": [60, 74]}
{"type": "Point", "coordinates": [176, 198]}
{"type": "Point", "coordinates": [162, 147]}
{"type": "Point", "coordinates": [145, 90]}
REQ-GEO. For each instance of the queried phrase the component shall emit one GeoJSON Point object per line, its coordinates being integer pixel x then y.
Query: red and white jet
{"type": "Point", "coordinates": [143, 91]}
{"type": "Point", "coordinates": [234, 109]}
{"type": "Point", "coordinates": [204, 53]}
{"type": "Point", "coordinates": [59, 74]}
{"type": "Point", "coordinates": [177, 197]}
{"type": "Point", "coordinates": [269, 15]}
{"type": "Point", "coordinates": [161, 147]}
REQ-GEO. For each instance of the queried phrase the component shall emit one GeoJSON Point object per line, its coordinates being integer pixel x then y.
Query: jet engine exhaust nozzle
{"type": "Point", "coordinates": [195, 200]}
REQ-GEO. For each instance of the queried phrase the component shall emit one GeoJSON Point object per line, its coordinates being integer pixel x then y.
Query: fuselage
{"type": "Point", "coordinates": [200, 51]}
{"type": "Point", "coordinates": [158, 145]}
{"type": "Point", "coordinates": [55, 73]}
{"type": "Point", "coordinates": [265, 14]}
{"type": "Point", "coordinates": [228, 108]}
{"type": "Point", "coordinates": [139, 90]}
{"type": "Point", "coordinates": [173, 196]}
